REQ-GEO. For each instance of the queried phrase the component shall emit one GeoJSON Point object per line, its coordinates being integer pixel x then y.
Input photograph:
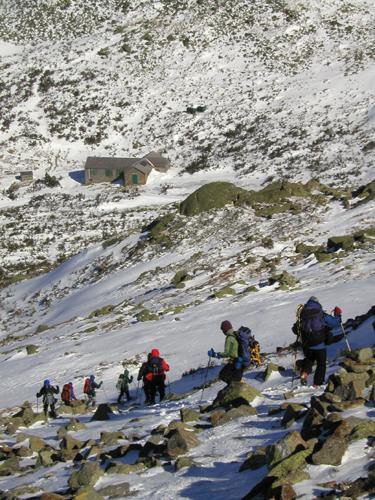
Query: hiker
{"type": "Point", "coordinates": [155, 376]}
{"type": "Point", "coordinates": [314, 328]}
{"type": "Point", "coordinates": [47, 391]}
{"type": "Point", "coordinates": [123, 385]}
{"type": "Point", "coordinates": [90, 390]}
{"type": "Point", "coordinates": [67, 394]}
{"type": "Point", "coordinates": [142, 376]}
{"type": "Point", "coordinates": [233, 370]}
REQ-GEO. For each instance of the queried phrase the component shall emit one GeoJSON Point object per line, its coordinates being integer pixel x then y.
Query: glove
{"type": "Point", "coordinates": [211, 353]}
{"type": "Point", "coordinates": [337, 311]}
{"type": "Point", "coordinates": [238, 363]}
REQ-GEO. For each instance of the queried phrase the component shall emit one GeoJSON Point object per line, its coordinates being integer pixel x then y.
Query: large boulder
{"type": "Point", "coordinates": [289, 444]}
{"type": "Point", "coordinates": [213, 195]}
{"type": "Point", "coordinates": [103, 412]}
{"type": "Point", "coordinates": [347, 386]}
{"type": "Point", "coordinates": [87, 475]}
{"type": "Point", "coordinates": [255, 460]}
{"type": "Point", "coordinates": [10, 466]}
{"type": "Point", "coordinates": [189, 415]}
{"type": "Point", "coordinates": [181, 438]}
{"type": "Point", "coordinates": [291, 469]}
{"type": "Point", "coordinates": [236, 394]}
{"type": "Point", "coordinates": [234, 413]}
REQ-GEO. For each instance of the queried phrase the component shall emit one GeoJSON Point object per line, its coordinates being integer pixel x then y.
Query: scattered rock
{"type": "Point", "coordinates": [116, 490]}
{"type": "Point", "coordinates": [292, 413]}
{"type": "Point", "coordinates": [182, 462]}
{"type": "Point", "coordinates": [180, 440]}
{"type": "Point", "coordinates": [87, 493]}
{"type": "Point", "coordinates": [102, 413]}
{"type": "Point", "coordinates": [289, 444]}
{"type": "Point", "coordinates": [189, 415]}
{"type": "Point", "coordinates": [10, 466]}
{"type": "Point", "coordinates": [235, 394]}
{"type": "Point", "coordinates": [70, 443]}
{"type": "Point", "coordinates": [45, 458]}
{"type": "Point", "coordinates": [88, 475]}
{"type": "Point", "coordinates": [110, 438]}
{"type": "Point", "coordinates": [118, 468]}
{"type": "Point", "coordinates": [240, 411]}
{"type": "Point", "coordinates": [255, 460]}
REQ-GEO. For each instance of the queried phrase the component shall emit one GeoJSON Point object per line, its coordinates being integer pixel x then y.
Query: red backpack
{"type": "Point", "coordinates": [87, 386]}
{"type": "Point", "coordinates": [65, 393]}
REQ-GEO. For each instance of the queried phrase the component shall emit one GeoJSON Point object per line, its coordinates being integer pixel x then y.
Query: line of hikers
{"type": "Point", "coordinates": [152, 373]}
{"type": "Point", "coordinates": [314, 328]}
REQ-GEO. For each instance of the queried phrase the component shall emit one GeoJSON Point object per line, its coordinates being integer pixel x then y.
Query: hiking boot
{"type": "Point", "coordinates": [304, 378]}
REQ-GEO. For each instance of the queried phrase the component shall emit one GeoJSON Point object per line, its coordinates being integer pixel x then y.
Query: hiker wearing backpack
{"type": "Point", "coordinates": [67, 394]}
{"type": "Point", "coordinates": [47, 392]}
{"type": "Point", "coordinates": [236, 350]}
{"type": "Point", "coordinates": [314, 328]}
{"type": "Point", "coordinates": [142, 376]}
{"type": "Point", "coordinates": [155, 375]}
{"type": "Point", "coordinates": [90, 390]}
{"type": "Point", "coordinates": [123, 385]}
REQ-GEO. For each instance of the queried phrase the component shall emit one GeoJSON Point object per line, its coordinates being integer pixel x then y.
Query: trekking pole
{"type": "Point", "coordinates": [345, 336]}
{"type": "Point", "coordinates": [37, 405]}
{"type": "Point", "coordinates": [137, 391]}
{"type": "Point", "coordinates": [205, 378]}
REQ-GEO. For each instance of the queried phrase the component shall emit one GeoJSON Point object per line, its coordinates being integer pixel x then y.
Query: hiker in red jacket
{"type": "Point", "coordinates": [155, 375]}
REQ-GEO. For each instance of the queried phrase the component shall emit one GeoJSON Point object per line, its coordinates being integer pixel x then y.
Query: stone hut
{"type": "Point", "coordinates": [26, 176]}
{"type": "Point", "coordinates": [130, 171]}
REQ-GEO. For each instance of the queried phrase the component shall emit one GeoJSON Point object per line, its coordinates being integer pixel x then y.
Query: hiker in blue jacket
{"type": "Point", "coordinates": [316, 330]}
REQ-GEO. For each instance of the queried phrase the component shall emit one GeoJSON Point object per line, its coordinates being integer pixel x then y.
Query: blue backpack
{"type": "Point", "coordinates": [242, 336]}
{"type": "Point", "coordinates": [312, 324]}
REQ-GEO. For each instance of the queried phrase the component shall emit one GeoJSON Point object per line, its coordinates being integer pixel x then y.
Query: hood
{"type": "Point", "coordinates": [155, 353]}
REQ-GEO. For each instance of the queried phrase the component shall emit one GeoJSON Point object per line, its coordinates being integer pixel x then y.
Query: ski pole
{"type": "Point", "coordinates": [205, 378]}
{"type": "Point", "coordinates": [345, 336]}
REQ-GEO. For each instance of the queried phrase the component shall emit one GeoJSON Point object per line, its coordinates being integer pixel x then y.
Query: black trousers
{"type": "Point", "coordinates": [121, 395]}
{"type": "Point", "coordinates": [320, 357]}
{"type": "Point", "coordinates": [230, 374]}
{"type": "Point", "coordinates": [52, 409]}
{"type": "Point", "coordinates": [157, 385]}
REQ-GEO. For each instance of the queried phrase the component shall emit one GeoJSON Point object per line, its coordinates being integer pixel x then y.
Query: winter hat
{"type": "Point", "coordinates": [92, 377]}
{"type": "Point", "coordinates": [46, 382]}
{"type": "Point", "coordinates": [225, 326]}
{"type": "Point", "coordinates": [314, 299]}
{"type": "Point", "coordinates": [155, 353]}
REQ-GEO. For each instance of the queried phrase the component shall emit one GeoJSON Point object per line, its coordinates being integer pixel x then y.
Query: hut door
{"type": "Point", "coordinates": [134, 179]}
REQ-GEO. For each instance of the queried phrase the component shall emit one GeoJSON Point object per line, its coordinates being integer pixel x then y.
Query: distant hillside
{"type": "Point", "coordinates": [257, 86]}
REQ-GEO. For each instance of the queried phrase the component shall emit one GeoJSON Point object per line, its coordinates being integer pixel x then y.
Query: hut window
{"type": "Point", "coordinates": [108, 172]}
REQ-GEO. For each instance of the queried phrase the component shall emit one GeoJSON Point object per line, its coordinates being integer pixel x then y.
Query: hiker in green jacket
{"type": "Point", "coordinates": [233, 370]}
{"type": "Point", "coordinates": [123, 385]}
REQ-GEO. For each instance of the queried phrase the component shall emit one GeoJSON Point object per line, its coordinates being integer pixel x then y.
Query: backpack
{"type": "Point", "coordinates": [312, 324]}
{"type": "Point", "coordinates": [87, 386]}
{"type": "Point", "coordinates": [119, 383]}
{"type": "Point", "coordinates": [154, 366]}
{"type": "Point", "coordinates": [65, 393]}
{"type": "Point", "coordinates": [242, 336]}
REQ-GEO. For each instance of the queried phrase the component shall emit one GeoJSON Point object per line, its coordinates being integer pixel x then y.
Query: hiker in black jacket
{"type": "Point", "coordinates": [142, 376]}
{"type": "Point", "coordinates": [47, 392]}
